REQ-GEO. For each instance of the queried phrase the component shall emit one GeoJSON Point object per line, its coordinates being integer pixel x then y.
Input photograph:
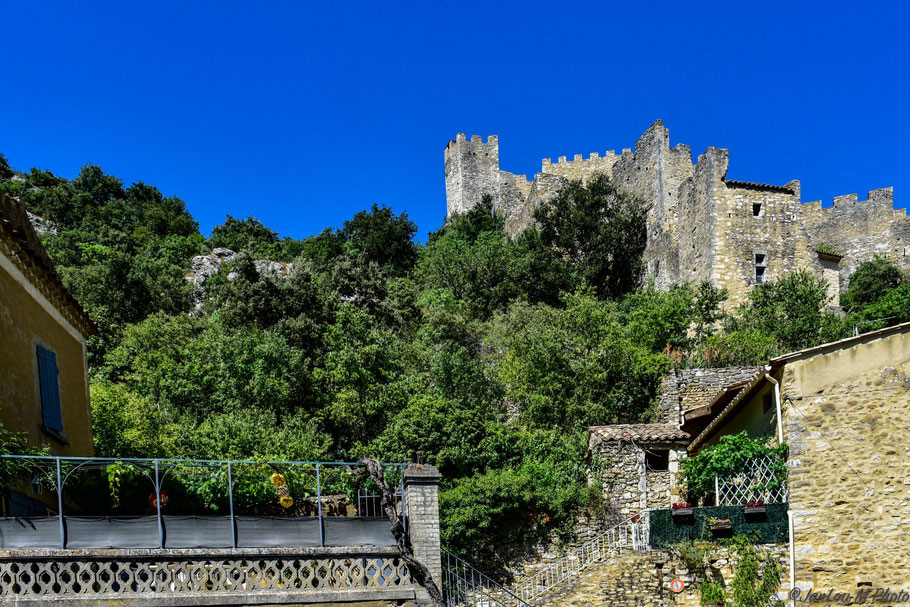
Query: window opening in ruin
{"type": "Point", "coordinates": [756, 209]}
{"type": "Point", "coordinates": [657, 460]}
{"type": "Point", "coordinates": [761, 265]}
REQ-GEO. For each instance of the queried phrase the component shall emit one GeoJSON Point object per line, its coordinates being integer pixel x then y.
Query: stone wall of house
{"type": "Point", "coordinates": [642, 579]}
{"type": "Point", "coordinates": [619, 466]}
{"type": "Point", "coordinates": [686, 389]}
{"type": "Point", "coordinates": [700, 225]}
{"type": "Point", "coordinates": [847, 423]}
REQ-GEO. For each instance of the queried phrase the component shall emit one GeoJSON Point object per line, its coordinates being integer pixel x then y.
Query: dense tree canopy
{"type": "Point", "coordinates": [486, 355]}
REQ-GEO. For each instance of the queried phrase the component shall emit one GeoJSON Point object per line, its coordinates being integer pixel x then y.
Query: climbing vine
{"type": "Point", "coordinates": [756, 575]}
{"type": "Point", "coordinates": [727, 458]}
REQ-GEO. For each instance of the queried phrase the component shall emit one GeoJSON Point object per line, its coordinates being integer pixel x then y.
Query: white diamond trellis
{"type": "Point", "coordinates": [108, 578]}
{"type": "Point", "coordinates": [757, 481]}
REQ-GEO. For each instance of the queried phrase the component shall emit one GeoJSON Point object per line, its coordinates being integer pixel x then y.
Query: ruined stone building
{"type": "Point", "coordinates": [701, 226]}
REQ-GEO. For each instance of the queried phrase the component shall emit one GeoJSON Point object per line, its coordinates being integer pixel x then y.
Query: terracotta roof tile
{"type": "Point", "coordinates": [654, 432]}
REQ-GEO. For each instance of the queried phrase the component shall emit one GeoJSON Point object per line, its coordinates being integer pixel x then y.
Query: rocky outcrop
{"type": "Point", "coordinates": [205, 266]}
{"type": "Point", "coordinates": [41, 225]}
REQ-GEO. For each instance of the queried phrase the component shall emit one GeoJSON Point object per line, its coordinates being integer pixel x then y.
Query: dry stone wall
{"type": "Point", "coordinates": [643, 580]}
{"type": "Point", "coordinates": [686, 389]}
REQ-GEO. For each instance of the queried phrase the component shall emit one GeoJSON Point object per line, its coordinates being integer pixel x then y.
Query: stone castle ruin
{"type": "Point", "coordinates": [700, 226]}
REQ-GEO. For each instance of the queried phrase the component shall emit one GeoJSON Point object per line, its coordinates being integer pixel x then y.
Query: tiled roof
{"type": "Point", "coordinates": [20, 243]}
{"type": "Point", "coordinates": [654, 432]}
{"type": "Point", "coordinates": [766, 187]}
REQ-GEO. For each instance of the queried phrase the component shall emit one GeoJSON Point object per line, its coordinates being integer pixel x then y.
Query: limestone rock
{"type": "Point", "coordinates": [205, 266]}
{"type": "Point", "coordinates": [41, 225]}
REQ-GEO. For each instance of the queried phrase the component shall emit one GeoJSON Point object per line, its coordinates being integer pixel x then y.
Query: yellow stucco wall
{"type": "Point", "coordinates": [752, 418]}
{"type": "Point", "coordinates": [847, 421]}
{"type": "Point", "coordinates": [24, 324]}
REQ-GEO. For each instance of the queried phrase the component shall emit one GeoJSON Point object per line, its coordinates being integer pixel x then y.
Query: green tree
{"type": "Point", "coordinates": [600, 230]}
{"type": "Point", "coordinates": [379, 236]}
{"type": "Point", "coordinates": [241, 234]}
{"type": "Point", "coordinates": [790, 310]}
{"type": "Point", "coordinates": [575, 367]}
{"type": "Point", "coordinates": [6, 172]}
{"type": "Point", "coordinates": [870, 281]}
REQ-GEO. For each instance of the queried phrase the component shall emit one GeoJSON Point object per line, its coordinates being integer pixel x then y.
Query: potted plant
{"type": "Point", "coordinates": [719, 526]}
{"type": "Point", "coordinates": [753, 507]}
{"type": "Point", "coordinates": [681, 509]}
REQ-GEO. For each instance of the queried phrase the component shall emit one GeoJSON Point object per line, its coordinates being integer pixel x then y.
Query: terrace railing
{"type": "Point", "coordinates": [759, 480]}
{"type": "Point", "coordinates": [255, 520]}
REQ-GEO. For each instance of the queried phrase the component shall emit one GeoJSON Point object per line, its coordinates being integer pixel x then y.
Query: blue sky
{"type": "Point", "coordinates": [302, 113]}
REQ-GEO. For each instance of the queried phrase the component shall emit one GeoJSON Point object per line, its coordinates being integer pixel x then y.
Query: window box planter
{"type": "Point", "coordinates": [681, 513]}
{"type": "Point", "coordinates": [720, 527]}
{"type": "Point", "coordinates": [753, 510]}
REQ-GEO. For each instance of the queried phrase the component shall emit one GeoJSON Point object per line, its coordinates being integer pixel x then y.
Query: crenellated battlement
{"type": "Point", "coordinates": [700, 225]}
{"type": "Point", "coordinates": [461, 140]}
{"type": "Point", "coordinates": [879, 199]}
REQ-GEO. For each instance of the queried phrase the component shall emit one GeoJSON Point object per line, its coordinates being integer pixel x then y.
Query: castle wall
{"type": "Point", "coordinates": [472, 170]}
{"type": "Point", "coordinates": [654, 173]}
{"type": "Point", "coordinates": [753, 221]}
{"type": "Point", "coordinates": [581, 168]}
{"type": "Point", "coordinates": [859, 229]}
{"type": "Point", "coordinates": [700, 226]}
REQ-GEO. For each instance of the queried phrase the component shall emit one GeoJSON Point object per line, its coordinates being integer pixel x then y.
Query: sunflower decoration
{"type": "Point", "coordinates": [282, 490]}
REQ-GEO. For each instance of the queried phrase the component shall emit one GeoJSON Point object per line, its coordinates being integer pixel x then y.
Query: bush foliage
{"type": "Point", "coordinates": [486, 355]}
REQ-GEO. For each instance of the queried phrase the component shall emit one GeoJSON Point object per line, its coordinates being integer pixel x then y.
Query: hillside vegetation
{"type": "Point", "coordinates": [485, 356]}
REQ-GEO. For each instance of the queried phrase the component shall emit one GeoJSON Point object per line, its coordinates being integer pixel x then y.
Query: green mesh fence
{"type": "Point", "coordinates": [768, 528]}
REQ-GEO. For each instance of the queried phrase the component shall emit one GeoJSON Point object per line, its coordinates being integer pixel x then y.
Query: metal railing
{"type": "Point", "coordinates": [631, 534]}
{"type": "Point", "coordinates": [464, 586]}
{"type": "Point", "coordinates": [757, 481]}
{"type": "Point", "coordinates": [305, 481]}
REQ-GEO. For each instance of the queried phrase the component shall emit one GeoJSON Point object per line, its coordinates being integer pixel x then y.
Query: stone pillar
{"type": "Point", "coordinates": [421, 493]}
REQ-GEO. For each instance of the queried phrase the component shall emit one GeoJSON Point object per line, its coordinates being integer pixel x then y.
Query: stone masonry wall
{"type": "Point", "coordinates": [642, 579]}
{"type": "Point", "coordinates": [628, 486]}
{"type": "Point", "coordinates": [850, 472]}
{"type": "Point", "coordinates": [689, 388]}
{"type": "Point", "coordinates": [700, 226]}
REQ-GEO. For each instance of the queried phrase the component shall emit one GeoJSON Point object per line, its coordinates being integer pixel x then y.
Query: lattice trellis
{"type": "Point", "coordinates": [756, 482]}
{"type": "Point", "coordinates": [131, 577]}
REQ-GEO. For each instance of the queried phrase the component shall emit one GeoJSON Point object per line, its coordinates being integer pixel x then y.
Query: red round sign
{"type": "Point", "coordinates": [677, 585]}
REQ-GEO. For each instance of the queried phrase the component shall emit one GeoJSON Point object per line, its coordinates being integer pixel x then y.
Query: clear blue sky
{"type": "Point", "coordinates": [302, 113]}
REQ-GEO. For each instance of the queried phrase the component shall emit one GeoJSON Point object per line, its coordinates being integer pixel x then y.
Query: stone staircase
{"type": "Point", "coordinates": [632, 579]}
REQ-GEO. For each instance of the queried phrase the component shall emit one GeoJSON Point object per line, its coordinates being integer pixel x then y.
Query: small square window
{"type": "Point", "coordinates": [756, 209]}
{"type": "Point", "coordinates": [759, 275]}
{"type": "Point", "coordinates": [657, 460]}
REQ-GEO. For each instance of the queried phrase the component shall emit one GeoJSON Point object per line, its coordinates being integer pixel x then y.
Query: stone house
{"type": "Point", "coordinates": [640, 464]}
{"type": "Point", "coordinates": [701, 225]}
{"type": "Point", "coordinates": [43, 365]}
{"type": "Point", "coordinates": [842, 409]}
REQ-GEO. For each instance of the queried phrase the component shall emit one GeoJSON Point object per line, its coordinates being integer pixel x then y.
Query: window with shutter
{"type": "Point", "coordinates": [50, 390]}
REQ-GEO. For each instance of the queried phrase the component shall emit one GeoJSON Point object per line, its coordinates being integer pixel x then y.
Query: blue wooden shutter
{"type": "Point", "coordinates": [50, 390]}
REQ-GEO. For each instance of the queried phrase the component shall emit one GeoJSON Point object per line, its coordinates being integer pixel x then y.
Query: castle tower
{"type": "Point", "coordinates": [472, 170]}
